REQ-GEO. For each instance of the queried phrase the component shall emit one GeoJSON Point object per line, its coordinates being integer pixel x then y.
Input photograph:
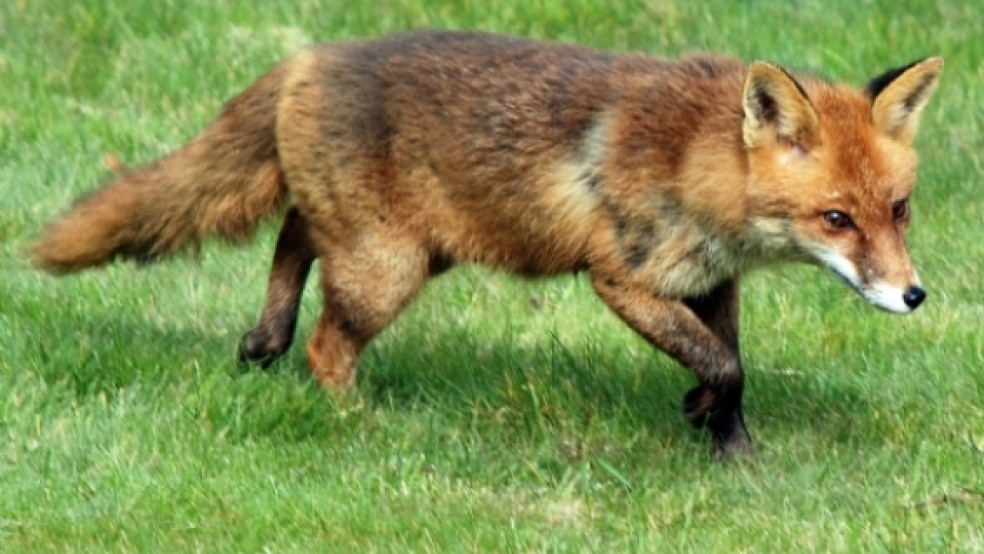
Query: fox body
{"type": "Point", "coordinates": [407, 155]}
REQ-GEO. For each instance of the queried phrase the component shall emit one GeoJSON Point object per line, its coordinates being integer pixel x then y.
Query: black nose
{"type": "Point", "coordinates": [914, 297]}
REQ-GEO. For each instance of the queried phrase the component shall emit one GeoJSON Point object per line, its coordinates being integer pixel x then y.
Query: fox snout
{"type": "Point", "coordinates": [880, 292]}
{"type": "Point", "coordinates": [886, 296]}
{"type": "Point", "coordinates": [893, 299]}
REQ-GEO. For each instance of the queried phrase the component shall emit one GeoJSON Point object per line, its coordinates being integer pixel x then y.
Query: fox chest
{"type": "Point", "coordinates": [678, 261]}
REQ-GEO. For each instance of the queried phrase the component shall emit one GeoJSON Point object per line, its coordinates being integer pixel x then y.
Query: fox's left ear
{"type": "Point", "coordinates": [899, 95]}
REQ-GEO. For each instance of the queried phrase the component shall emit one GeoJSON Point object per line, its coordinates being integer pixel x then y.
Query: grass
{"type": "Point", "coordinates": [497, 414]}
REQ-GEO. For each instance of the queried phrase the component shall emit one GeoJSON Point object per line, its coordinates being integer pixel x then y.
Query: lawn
{"type": "Point", "coordinates": [496, 415]}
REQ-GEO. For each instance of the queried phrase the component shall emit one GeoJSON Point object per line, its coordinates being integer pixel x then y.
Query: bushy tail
{"type": "Point", "coordinates": [222, 182]}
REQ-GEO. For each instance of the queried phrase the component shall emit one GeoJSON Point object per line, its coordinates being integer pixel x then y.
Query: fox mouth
{"type": "Point", "coordinates": [850, 283]}
{"type": "Point", "coordinates": [882, 295]}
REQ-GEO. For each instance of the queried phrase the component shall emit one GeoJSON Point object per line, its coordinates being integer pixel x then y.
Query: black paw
{"type": "Point", "coordinates": [731, 440]}
{"type": "Point", "coordinates": [258, 348]}
{"type": "Point", "coordinates": [703, 408]}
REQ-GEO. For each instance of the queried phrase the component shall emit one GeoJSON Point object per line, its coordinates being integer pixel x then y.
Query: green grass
{"type": "Point", "coordinates": [497, 414]}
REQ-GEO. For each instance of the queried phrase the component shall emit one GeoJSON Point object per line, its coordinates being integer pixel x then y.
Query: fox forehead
{"type": "Point", "coordinates": [866, 166]}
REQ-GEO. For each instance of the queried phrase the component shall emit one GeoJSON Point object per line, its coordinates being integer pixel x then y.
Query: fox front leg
{"type": "Point", "coordinates": [718, 310]}
{"type": "Point", "coordinates": [695, 337]}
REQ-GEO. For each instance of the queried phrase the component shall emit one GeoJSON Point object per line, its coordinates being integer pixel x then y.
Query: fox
{"type": "Point", "coordinates": [393, 160]}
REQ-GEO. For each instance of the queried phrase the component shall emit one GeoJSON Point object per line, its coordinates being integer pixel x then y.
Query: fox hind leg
{"type": "Point", "coordinates": [292, 261]}
{"type": "Point", "coordinates": [367, 280]}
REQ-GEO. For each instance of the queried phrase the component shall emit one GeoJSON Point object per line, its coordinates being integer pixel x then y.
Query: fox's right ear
{"type": "Point", "coordinates": [776, 105]}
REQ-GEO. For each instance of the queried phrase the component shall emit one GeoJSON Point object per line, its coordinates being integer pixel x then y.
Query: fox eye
{"type": "Point", "coordinates": [900, 209]}
{"type": "Point", "coordinates": [838, 219]}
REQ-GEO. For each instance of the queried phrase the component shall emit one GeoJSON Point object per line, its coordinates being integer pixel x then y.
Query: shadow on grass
{"type": "Point", "coordinates": [100, 356]}
{"type": "Point", "coordinates": [546, 386]}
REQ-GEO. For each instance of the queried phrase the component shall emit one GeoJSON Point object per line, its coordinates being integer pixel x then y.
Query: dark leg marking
{"type": "Point", "coordinates": [676, 329]}
{"type": "Point", "coordinates": [292, 260]}
{"type": "Point", "coordinates": [708, 405]}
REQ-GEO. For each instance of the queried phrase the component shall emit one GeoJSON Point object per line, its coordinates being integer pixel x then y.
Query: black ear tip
{"type": "Point", "coordinates": [879, 83]}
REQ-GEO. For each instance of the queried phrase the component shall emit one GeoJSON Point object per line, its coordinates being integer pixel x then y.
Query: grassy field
{"type": "Point", "coordinates": [497, 415]}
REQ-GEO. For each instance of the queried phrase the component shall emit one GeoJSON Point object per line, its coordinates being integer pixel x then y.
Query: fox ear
{"type": "Point", "coordinates": [775, 104]}
{"type": "Point", "coordinates": [899, 95]}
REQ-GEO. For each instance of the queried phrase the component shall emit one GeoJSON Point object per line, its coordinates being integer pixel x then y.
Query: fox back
{"type": "Point", "coordinates": [543, 157]}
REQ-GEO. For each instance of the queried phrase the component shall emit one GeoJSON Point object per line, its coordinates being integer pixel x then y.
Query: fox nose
{"type": "Point", "coordinates": [914, 296]}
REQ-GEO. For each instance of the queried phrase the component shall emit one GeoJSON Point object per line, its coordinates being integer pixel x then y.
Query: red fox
{"type": "Point", "coordinates": [665, 180]}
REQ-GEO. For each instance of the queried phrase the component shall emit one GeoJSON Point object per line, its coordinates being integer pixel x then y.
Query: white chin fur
{"type": "Point", "coordinates": [886, 297]}
{"type": "Point", "coordinates": [881, 295]}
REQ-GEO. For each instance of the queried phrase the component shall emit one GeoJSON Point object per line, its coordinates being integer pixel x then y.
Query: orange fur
{"type": "Point", "coordinates": [222, 182]}
{"type": "Point", "coordinates": [407, 155]}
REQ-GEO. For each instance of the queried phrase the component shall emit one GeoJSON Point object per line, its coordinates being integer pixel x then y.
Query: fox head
{"type": "Point", "coordinates": [832, 169]}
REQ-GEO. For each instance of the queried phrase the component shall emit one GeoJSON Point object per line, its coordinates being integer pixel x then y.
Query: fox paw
{"type": "Point", "coordinates": [726, 427]}
{"type": "Point", "coordinates": [257, 347]}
